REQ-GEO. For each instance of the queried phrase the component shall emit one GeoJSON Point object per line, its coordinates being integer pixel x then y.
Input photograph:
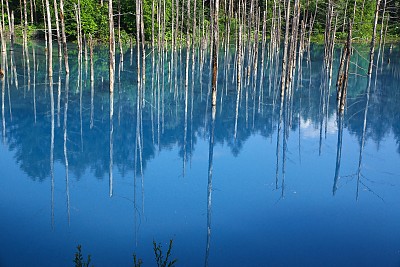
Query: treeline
{"type": "Point", "coordinates": [171, 21]}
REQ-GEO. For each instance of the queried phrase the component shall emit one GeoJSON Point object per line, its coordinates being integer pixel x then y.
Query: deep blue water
{"type": "Point", "coordinates": [265, 184]}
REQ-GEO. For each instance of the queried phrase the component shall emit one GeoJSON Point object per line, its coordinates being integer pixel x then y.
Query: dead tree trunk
{"type": "Point", "coordinates": [343, 74]}
{"type": "Point", "coordinates": [285, 50]}
{"type": "Point", "coordinates": [143, 43]}
{"type": "Point", "coordinates": [91, 58]}
{"type": "Point", "coordinates": [25, 24]}
{"type": "Point", "coordinates": [372, 48]}
{"type": "Point", "coordinates": [215, 53]}
{"type": "Point", "coordinates": [138, 39]}
{"type": "Point", "coordinates": [12, 30]}
{"type": "Point", "coordinates": [64, 37]}
{"type": "Point", "coordinates": [49, 39]}
{"type": "Point", "coordinates": [3, 46]}
{"type": "Point", "coordinates": [57, 28]}
{"type": "Point", "coordinates": [111, 46]}
{"type": "Point", "coordinates": [121, 53]}
{"type": "Point", "coordinates": [239, 49]}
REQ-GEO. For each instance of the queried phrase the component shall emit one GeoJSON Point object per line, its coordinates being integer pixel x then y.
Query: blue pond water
{"type": "Point", "coordinates": [264, 184]}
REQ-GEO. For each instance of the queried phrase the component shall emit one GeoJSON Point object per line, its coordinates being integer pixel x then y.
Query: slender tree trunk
{"type": "Point", "coordinates": [372, 48]}
{"type": "Point", "coordinates": [57, 28]}
{"type": "Point", "coordinates": [121, 53]}
{"type": "Point", "coordinates": [10, 24]}
{"type": "Point", "coordinates": [138, 40]}
{"type": "Point", "coordinates": [22, 13]}
{"type": "Point", "coordinates": [345, 16]}
{"type": "Point", "coordinates": [49, 39]}
{"type": "Point", "coordinates": [285, 50]}
{"type": "Point", "coordinates": [143, 43]}
{"type": "Point", "coordinates": [78, 37]}
{"type": "Point", "coordinates": [45, 27]}
{"type": "Point", "coordinates": [91, 58]}
{"type": "Point", "coordinates": [172, 27]}
{"type": "Point", "coordinates": [215, 52]}
{"type": "Point", "coordinates": [3, 49]}
{"type": "Point", "coordinates": [381, 35]}
{"type": "Point", "coordinates": [25, 23]}
{"type": "Point", "coordinates": [384, 39]}
{"type": "Point", "coordinates": [12, 30]}
{"type": "Point", "coordinates": [111, 46]}
{"type": "Point", "coordinates": [194, 36]}
{"type": "Point", "coordinates": [64, 37]}
{"type": "Point", "coordinates": [343, 74]}
{"type": "Point", "coordinates": [152, 24]}
{"type": "Point", "coordinates": [239, 48]}
{"type": "Point", "coordinates": [176, 24]}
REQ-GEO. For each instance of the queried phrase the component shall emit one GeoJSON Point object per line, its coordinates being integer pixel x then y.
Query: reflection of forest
{"type": "Point", "coordinates": [27, 122]}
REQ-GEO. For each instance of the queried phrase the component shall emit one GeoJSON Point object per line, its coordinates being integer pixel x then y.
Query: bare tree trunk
{"type": "Point", "coordinates": [152, 24]}
{"type": "Point", "coordinates": [343, 74]}
{"type": "Point", "coordinates": [381, 35]}
{"type": "Point", "coordinates": [64, 37]}
{"type": "Point", "coordinates": [138, 40]}
{"type": "Point", "coordinates": [91, 58]}
{"type": "Point", "coordinates": [45, 27]}
{"type": "Point", "coordinates": [25, 23]}
{"type": "Point", "coordinates": [285, 50]}
{"type": "Point", "coordinates": [3, 49]}
{"type": "Point", "coordinates": [143, 43]}
{"type": "Point", "coordinates": [111, 46]}
{"type": "Point", "coordinates": [22, 11]}
{"type": "Point", "coordinates": [177, 23]}
{"type": "Point", "coordinates": [57, 27]}
{"type": "Point", "coordinates": [345, 16]}
{"type": "Point", "coordinates": [10, 21]}
{"type": "Point", "coordinates": [372, 48]}
{"type": "Point", "coordinates": [121, 53]}
{"type": "Point", "coordinates": [215, 53]}
{"type": "Point", "coordinates": [172, 27]}
{"type": "Point", "coordinates": [239, 49]}
{"type": "Point", "coordinates": [49, 38]}
{"type": "Point", "coordinates": [194, 29]}
{"type": "Point", "coordinates": [12, 30]}
{"type": "Point", "coordinates": [384, 39]}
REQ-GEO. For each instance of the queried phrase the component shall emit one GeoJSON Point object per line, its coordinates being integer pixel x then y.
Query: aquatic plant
{"type": "Point", "coordinates": [161, 262]}
{"type": "Point", "coordinates": [79, 262]}
{"type": "Point", "coordinates": [137, 262]}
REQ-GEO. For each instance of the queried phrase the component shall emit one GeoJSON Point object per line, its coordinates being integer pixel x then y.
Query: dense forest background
{"type": "Point", "coordinates": [169, 17]}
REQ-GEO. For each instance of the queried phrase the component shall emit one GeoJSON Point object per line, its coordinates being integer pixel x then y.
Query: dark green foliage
{"type": "Point", "coordinates": [79, 262]}
{"type": "Point", "coordinates": [137, 262]}
{"type": "Point", "coordinates": [161, 262]}
{"type": "Point", "coordinates": [95, 17]}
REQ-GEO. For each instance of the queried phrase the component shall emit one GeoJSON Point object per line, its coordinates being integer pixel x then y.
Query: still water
{"type": "Point", "coordinates": [264, 184]}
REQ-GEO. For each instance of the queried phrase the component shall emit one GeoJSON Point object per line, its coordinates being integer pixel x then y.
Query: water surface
{"type": "Point", "coordinates": [264, 184]}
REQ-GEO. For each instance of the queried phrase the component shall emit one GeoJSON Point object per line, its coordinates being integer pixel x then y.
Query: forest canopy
{"type": "Point", "coordinates": [166, 16]}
